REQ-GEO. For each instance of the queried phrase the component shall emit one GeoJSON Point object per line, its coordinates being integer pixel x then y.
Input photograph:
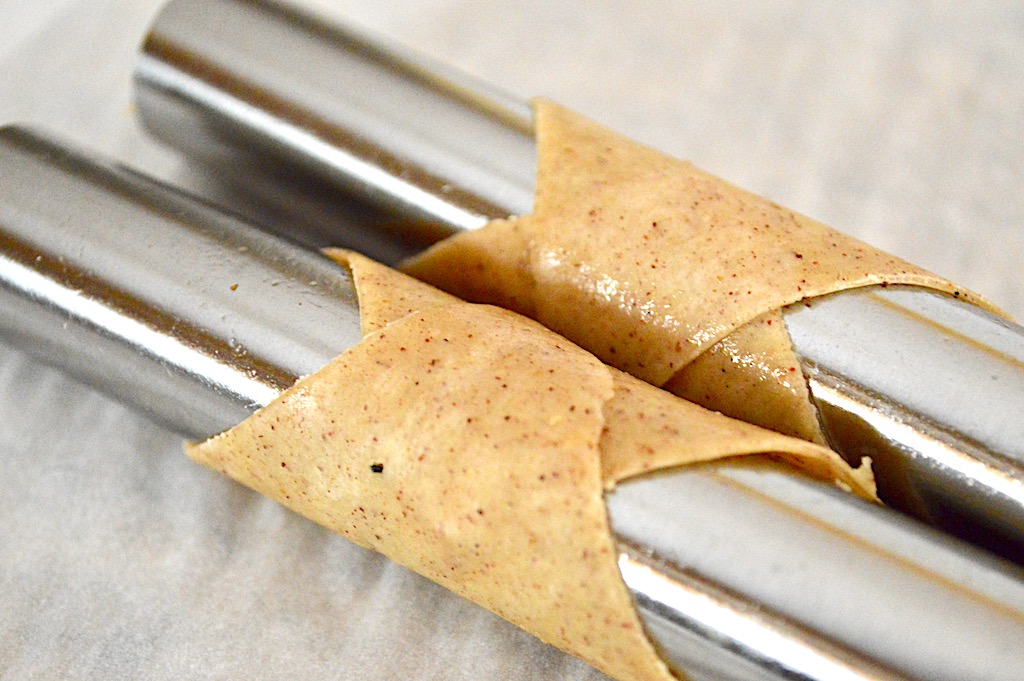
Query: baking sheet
{"type": "Point", "coordinates": [120, 559]}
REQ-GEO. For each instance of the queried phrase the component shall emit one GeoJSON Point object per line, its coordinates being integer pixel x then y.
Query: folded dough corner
{"type": "Point", "coordinates": [664, 271]}
{"type": "Point", "coordinates": [474, 447]}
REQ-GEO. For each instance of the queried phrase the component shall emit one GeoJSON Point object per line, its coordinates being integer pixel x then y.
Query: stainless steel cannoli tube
{"type": "Point", "coordinates": [441, 154]}
{"type": "Point", "coordinates": [161, 301]}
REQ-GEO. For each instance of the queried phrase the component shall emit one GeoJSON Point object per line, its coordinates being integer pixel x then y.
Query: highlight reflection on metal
{"type": "Point", "coordinates": [753, 636]}
{"type": "Point", "coordinates": [936, 409]}
{"type": "Point", "coordinates": [71, 230]}
{"type": "Point", "coordinates": [888, 592]}
{"type": "Point", "coordinates": [346, 163]}
{"type": "Point", "coordinates": [223, 96]}
{"type": "Point", "coordinates": [120, 306]}
{"type": "Point", "coordinates": [173, 351]}
{"type": "Point", "coordinates": [445, 135]}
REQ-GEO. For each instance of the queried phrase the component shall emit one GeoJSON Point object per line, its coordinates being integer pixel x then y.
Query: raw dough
{"type": "Point", "coordinates": [473, 446]}
{"type": "Point", "coordinates": [663, 271]}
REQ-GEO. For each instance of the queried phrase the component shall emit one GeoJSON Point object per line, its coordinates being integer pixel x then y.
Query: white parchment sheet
{"type": "Point", "coordinates": [121, 559]}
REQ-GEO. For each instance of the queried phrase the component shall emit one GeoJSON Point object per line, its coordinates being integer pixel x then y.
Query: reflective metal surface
{"type": "Point", "coordinates": [139, 290]}
{"type": "Point", "coordinates": [836, 582]}
{"type": "Point", "coordinates": [196, 318]}
{"type": "Point", "coordinates": [686, 615]}
{"type": "Point", "coordinates": [222, 97]}
{"type": "Point", "coordinates": [932, 389]}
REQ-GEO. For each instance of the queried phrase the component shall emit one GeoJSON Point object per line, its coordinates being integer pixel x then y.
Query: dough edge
{"type": "Point", "coordinates": [664, 271]}
{"type": "Point", "coordinates": [582, 428]}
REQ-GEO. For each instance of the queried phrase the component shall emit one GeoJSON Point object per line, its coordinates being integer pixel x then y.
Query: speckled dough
{"type": "Point", "coordinates": [651, 264]}
{"type": "Point", "coordinates": [473, 446]}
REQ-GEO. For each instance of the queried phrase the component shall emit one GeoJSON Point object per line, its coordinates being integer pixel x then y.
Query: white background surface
{"type": "Point", "coordinates": [120, 559]}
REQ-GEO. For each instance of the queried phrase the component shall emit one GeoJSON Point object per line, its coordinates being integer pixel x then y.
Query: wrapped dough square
{"type": "Point", "coordinates": [474, 447]}
{"type": "Point", "coordinates": [664, 271]}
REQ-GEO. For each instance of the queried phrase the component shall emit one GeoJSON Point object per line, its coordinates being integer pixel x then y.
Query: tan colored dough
{"type": "Point", "coordinates": [649, 263]}
{"type": "Point", "coordinates": [473, 446]}
{"type": "Point", "coordinates": [753, 375]}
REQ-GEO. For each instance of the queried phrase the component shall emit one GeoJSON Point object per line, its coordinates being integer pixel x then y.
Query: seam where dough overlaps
{"type": "Point", "coordinates": [474, 447]}
{"type": "Point", "coordinates": [664, 271]}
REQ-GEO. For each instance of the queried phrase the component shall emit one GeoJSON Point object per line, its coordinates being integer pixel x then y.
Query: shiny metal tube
{"type": "Point", "coordinates": [94, 281]}
{"type": "Point", "coordinates": [871, 567]}
{"type": "Point", "coordinates": [434, 155]}
{"type": "Point", "coordinates": [932, 389]}
{"type": "Point", "coordinates": [198, 319]}
{"type": "Point", "coordinates": [444, 155]}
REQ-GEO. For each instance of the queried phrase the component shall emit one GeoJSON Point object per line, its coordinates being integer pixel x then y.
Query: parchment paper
{"type": "Point", "coordinates": [900, 126]}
